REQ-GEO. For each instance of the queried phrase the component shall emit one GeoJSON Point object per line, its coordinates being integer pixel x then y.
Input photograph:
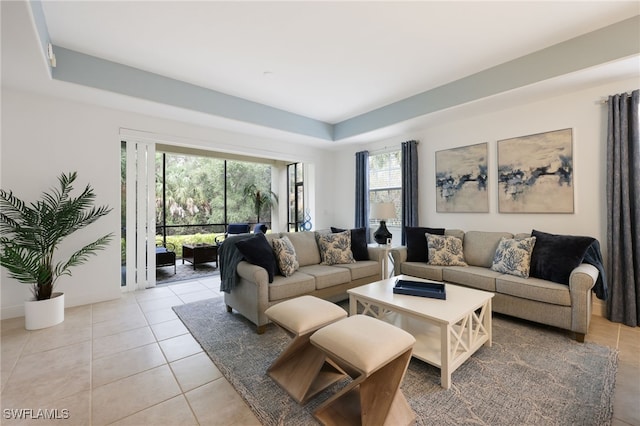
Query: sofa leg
{"type": "Point", "coordinates": [261, 329]}
{"type": "Point", "coordinates": [229, 308]}
{"type": "Point", "coordinates": [580, 337]}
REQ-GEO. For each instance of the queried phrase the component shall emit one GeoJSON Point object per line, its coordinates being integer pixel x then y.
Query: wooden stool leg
{"type": "Point", "coordinates": [381, 397]}
{"type": "Point", "coordinates": [343, 408]}
{"type": "Point", "coordinates": [371, 400]}
{"type": "Point", "coordinates": [303, 371]}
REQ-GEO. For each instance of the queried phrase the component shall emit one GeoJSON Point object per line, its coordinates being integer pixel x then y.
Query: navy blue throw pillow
{"type": "Point", "coordinates": [417, 242]}
{"type": "Point", "coordinates": [258, 251]}
{"type": "Point", "coordinates": [358, 242]}
{"type": "Point", "coordinates": [555, 256]}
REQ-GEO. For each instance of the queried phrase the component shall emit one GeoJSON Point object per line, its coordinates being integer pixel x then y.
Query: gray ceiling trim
{"type": "Point", "coordinates": [76, 67]}
{"type": "Point", "coordinates": [42, 31]}
{"type": "Point", "coordinates": [610, 43]}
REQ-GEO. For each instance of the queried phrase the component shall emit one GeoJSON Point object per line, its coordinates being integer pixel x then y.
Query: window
{"type": "Point", "coordinates": [385, 183]}
{"type": "Point", "coordinates": [196, 194]}
{"type": "Point", "coordinates": [295, 192]}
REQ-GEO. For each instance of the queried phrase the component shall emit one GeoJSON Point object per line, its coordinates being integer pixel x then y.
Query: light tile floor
{"type": "Point", "coordinates": [132, 362]}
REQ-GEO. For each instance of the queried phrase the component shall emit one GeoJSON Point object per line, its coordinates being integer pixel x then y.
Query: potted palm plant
{"type": "Point", "coordinates": [31, 233]}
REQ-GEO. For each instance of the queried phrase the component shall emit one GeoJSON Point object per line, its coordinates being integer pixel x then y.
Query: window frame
{"type": "Point", "coordinates": [395, 185]}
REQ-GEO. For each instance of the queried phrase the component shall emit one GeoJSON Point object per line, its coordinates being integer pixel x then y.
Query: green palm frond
{"type": "Point", "coordinates": [81, 256]}
{"type": "Point", "coordinates": [32, 232]}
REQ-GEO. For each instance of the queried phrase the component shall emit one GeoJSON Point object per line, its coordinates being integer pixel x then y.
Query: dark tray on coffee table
{"type": "Point", "coordinates": [420, 288]}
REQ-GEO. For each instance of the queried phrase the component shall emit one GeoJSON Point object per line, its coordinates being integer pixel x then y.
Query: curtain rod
{"type": "Point", "coordinates": [606, 100]}
{"type": "Point", "coordinates": [387, 149]}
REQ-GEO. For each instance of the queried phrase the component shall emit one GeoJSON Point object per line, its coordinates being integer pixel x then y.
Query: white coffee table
{"type": "Point", "coordinates": [447, 332]}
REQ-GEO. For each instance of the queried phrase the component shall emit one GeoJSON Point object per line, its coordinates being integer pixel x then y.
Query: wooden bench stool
{"type": "Point", "coordinates": [376, 355]}
{"type": "Point", "coordinates": [302, 369]}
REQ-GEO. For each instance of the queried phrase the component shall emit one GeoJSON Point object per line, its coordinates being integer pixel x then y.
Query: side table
{"type": "Point", "coordinates": [199, 253]}
{"type": "Point", "coordinates": [386, 258]}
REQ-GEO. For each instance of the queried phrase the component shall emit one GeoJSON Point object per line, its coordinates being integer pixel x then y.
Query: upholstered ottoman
{"type": "Point", "coordinates": [301, 369]}
{"type": "Point", "coordinates": [376, 355]}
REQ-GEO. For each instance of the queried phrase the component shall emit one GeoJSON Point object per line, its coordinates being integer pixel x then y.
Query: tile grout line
{"type": "Point", "coordinates": [184, 394]}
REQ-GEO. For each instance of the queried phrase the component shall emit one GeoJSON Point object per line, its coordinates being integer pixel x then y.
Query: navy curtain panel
{"type": "Point", "coordinates": [409, 186]}
{"type": "Point", "coordinates": [623, 209]}
{"type": "Point", "coordinates": [362, 192]}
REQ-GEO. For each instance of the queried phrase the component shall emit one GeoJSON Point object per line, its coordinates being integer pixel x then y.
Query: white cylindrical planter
{"type": "Point", "coordinates": [44, 313]}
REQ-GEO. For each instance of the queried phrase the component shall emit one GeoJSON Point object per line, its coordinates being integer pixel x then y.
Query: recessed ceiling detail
{"type": "Point", "coordinates": [114, 71]}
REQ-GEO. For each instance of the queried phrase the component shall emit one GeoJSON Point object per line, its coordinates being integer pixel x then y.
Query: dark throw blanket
{"type": "Point", "coordinates": [593, 256]}
{"type": "Point", "coordinates": [230, 256]}
{"type": "Point", "coordinates": [555, 256]}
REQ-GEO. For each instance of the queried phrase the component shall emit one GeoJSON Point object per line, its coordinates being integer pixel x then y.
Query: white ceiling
{"type": "Point", "coordinates": [329, 61]}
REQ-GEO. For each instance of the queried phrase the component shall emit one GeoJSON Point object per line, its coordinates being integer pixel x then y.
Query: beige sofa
{"type": "Point", "coordinates": [564, 306]}
{"type": "Point", "coordinates": [252, 293]}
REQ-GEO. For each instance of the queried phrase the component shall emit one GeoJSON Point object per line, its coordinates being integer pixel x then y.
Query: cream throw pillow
{"type": "Point", "coordinates": [285, 255]}
{"type": "Point", "coordinates": [335, 248]}
{"type": "Point", "coordinates": [513, 256]}
{"type": "Point", "coordinates": [445, 250]}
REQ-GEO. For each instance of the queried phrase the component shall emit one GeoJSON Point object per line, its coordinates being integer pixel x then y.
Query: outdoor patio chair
{"type": "Point", "coordinates": [233, 229]}
{"type": "Point", "coordinates": [260, 227]}
{"type": "Point", "coordinates": [166, 256]}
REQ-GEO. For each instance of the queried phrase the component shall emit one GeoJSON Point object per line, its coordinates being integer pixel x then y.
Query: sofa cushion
{"type": "Point", "coordinates": [306, 247]}
{"type": "Point", "coordinates": [421, 270]}
{"type": "Point", "coordinates": [471, 276]}
{"type": "Point", "coordinates": [513, 256]}
{"type": "Point", "coordinates": [295, 285]}
{"type": "Point", "coordinates": [555, 256]}
{"type": "Point", "coordinates": [445, 250]}
{"type": "Point", "coordinates": [258, 251]}
{"type": "Point", "coordinates": [534, 289]}
{"type": "Point", "coordinates": [358, 242]}
{"type": "Point", "coordinates": [458, 233]}
{"type": "Point", "coordinates": [286, 256]}
{"type": "Point", "coordinates": [361, 269]}
{"type": "Point", "coordinates": [327, 276]}
{"type": "Point", "coordinates": [417, 242]}
{"type": "Point", "coordinates": [521, 235]}
{"type": "Point", "coordinates": [272, 236]}
{"type": "Point", "coordinates": [335, 248]}
{"type": "Point", "coordinates": [480, 247]}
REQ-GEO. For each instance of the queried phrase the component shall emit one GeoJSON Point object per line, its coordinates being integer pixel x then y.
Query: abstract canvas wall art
{"type": "Point", "coordinates": [461, 180]}
{"type": "Point", "coordinates": [535, 173]}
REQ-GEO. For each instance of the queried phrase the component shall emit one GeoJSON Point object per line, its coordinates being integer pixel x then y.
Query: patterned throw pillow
{"type": "Point", "coordinates": [285, 255]}
{"type": "Point", "coordinates": [513, 256]}
{"type": "Point", "coordinates": [335, 248]}
{"type": "Point", "coordinates": [445, 250]}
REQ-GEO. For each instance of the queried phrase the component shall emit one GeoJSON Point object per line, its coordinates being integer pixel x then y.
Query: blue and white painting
{"type": "Point", "coordinates": [461, 180]}
{"type": "Point", "coordinates": [535, 173]}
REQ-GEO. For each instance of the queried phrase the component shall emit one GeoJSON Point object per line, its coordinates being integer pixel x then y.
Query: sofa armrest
{"type": "Point", "coordinates": [399, 255]}
{"type": "Point", "coordinates": [375, 253]}
{"type": "Point", "coordinates": [252, 273]}
{"type": "Point", "coordinates": [250, 296]}
{"type": "Point", "coordinates": [581, 281]}
{"type": "Point", "coordinates": [583, 278]}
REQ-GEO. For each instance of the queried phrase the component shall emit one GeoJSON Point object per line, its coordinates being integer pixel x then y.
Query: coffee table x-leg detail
{"type": "Point", "coordinates": [444, 343]}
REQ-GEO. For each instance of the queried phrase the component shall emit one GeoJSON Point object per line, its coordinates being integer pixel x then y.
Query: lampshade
{"type": "Point", "coordinates": [383, 211]}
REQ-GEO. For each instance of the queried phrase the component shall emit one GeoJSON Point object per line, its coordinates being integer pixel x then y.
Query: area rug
{"type": "Point", "coordinates": [532, 375]}
{"type": "Point", "coordinates": [165, 275]}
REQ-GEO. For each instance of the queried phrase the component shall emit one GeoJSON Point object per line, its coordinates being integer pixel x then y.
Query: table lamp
{"type": "Point", "coordinates": [383, 211]}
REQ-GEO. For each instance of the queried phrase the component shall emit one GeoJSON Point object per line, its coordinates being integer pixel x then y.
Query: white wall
{"type": "Point", "coordinates": [580, 110]}
{"type": "Point", "coordinates": [43, 137]}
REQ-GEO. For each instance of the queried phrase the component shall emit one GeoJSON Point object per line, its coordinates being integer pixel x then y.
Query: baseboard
{"type": "Point", "coordinates": [599, 308]}
{"type": "Point", "coordinates": [9, 312]}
